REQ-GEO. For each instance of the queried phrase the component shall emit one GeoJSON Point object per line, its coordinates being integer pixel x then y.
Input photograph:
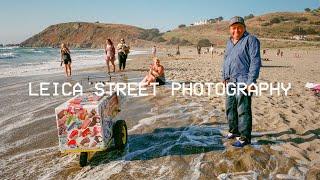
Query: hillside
{"type": "Point", "coordinates": [272, 28]}
{"type": "Point", "coordinates": [88, 35]}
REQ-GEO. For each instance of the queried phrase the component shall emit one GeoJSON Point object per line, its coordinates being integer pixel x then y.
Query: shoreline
{"type": "Point", "coordinates": [47, 63]}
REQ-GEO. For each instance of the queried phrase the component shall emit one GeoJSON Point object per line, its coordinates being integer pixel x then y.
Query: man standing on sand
{"type": "Point", "coordinates": [199, 50]}
{"type": "Point", "coordinates": [242, 64]}
{"type": "Point", "coordinates": [178, 51]}
{"type": "Point", "coordinates": [123, 51]}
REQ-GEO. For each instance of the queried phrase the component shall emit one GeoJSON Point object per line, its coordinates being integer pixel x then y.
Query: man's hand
{"type": "Point", "coordinates": [154, 73]}
{"type": "Point", "coordinates": [250, 87]}
{"type": "Point", "coordinates": [225, 82]}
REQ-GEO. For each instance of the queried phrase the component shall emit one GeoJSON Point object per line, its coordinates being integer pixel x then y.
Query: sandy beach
{"type": "Point", "coordinates": [173, 137]}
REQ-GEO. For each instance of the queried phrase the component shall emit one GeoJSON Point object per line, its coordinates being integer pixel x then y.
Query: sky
{"type": "Point", "coordinates": [21, 19]}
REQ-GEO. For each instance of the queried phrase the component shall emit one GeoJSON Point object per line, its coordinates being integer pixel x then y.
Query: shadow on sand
{"type": "Point", "coordinates": [186, 141]}
{"type": "Point", "coordinates": [273, 137]}
{"type": "Point", "coordinates": [165, 142]}
{"type": "Point", "coordinates": [266, 66]}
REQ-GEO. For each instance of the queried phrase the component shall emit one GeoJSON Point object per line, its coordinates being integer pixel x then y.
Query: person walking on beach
{"type": "Point", "coordinates": [211, 50]}
{"type": "Point", "coordinates": [278, 52]}
{"type": "Point", "coordinates": [123, 51]}
{"type": "Point", "coordinates": [154, 51]}
{"type": "Point", "coordinates": [110, 52]}
{"type": "Point", "coordinates": [242, 64]}
{"type": "Point", "coordinates": [155, 74]}
{"type": "Point", "coordinates": [199, 50]}
{"type": "Point", "coordinates": [178, 51]}
{"type": "Point", "coordinates": [66, 59]}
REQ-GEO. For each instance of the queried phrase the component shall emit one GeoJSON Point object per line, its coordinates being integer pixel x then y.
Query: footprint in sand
{"type": "Point", "coordinates": [284, 118]}
{"type": "Point", "coordinates": [294, 111]}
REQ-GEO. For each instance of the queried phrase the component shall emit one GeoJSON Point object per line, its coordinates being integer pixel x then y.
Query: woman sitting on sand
{"type": "Point", "coordinates": [66, 59]}
{"type": "Point", "coordinates": [110, 54]}
{"type": "Point", "coordinates": [155, 74]}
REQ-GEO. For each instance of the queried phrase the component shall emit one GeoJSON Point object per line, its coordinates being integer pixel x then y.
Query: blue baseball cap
{"type": "Point", "coordinates": [236, 19]}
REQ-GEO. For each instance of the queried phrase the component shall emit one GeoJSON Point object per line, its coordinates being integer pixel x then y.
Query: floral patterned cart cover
{"type": "Point", "coordinates": [85, 122]}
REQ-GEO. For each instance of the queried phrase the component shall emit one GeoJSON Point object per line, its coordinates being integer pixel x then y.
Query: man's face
{"type": "Point", "coordinates": [237, 30]}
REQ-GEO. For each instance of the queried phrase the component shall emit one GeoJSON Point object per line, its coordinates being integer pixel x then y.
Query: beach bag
{"type": "Point", "coordinates": [126, 49]}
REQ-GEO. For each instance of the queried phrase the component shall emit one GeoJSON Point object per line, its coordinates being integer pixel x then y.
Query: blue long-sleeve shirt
{"type": "Point", "coordinates": [242, 60]}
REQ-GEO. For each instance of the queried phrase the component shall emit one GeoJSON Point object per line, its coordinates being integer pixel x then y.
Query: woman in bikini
{"type": "Point", "coordinates": [66, 59]}
{"type": "Point", "coordinates": [110, 54]}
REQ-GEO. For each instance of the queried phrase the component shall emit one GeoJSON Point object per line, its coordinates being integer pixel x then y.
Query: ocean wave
{"type": "Point", "coordinates": [35, 50]}
{"type": "Point", "coordinates": [30, 51]}
{"type": "Point", "coordinates": [48, 67]}
{"type": "Point", "coordinates": [86, 50]}
{"type": "Point", "coordinates": [38, 51]}
{"type": "Point", "coordinates": [98, 51]}
{"type": "Point", "coordinates": [8, 48]}
{"type": "Point", "coordinates": [32, 64]}
{"type": "Point", "coordinates": [137, 52]}
{"type": "Point", "coordinates": [7, 55]}
{"type": "Point", "coordinates": [87, 57]}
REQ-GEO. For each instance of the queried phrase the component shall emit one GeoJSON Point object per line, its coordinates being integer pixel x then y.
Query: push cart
{"type": "Point", "coordinates": [88, 123]}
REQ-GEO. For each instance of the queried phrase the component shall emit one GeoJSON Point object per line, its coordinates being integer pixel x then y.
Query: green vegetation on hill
{"type": "Point", "coordinates": [152, 35]}
{"type": "Point", "coordinates": [274, 30]}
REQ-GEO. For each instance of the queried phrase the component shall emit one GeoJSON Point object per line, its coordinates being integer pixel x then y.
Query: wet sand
{"type": "Point", "coordinates": [173, 137]}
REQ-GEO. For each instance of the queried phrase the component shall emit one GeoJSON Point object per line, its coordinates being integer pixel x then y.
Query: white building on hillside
{"type": "Point", "coordinates": [201, 22]}
{"type": "Point", "coordinates": [299, 37]}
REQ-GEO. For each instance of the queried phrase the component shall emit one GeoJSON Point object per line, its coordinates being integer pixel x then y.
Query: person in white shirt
{"type": "Point", "coordinates": [154, 51]}
{"type": "Point", "coordinates": [211, 50]}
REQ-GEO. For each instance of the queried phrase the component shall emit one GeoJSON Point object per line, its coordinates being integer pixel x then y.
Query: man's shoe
{"type": "Point", "coordinates": [231, 136]}
{"type": "Point", "coordinates": [240, 143]}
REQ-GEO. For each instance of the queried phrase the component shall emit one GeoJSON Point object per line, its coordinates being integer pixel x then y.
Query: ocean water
{"type": "Point", "coordinates": [18, 61]}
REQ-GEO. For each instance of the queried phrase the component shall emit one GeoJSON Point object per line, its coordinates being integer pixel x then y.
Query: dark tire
{"type": "Point", "coordinates": [83, 159]}
{"type": "Point", "coordinates": [120, 134]}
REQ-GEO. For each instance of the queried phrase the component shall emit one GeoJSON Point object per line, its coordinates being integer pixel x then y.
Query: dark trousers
{"type": "Point", "coordinates": [239, 115]}
{"type": "Point", "coordinates": [122, 57]}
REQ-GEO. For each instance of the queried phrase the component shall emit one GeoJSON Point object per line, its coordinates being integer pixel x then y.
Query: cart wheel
{"type": "Point", "coordinates": [120, 134]}
{"type": "Point", "coordinates": [83, 159]}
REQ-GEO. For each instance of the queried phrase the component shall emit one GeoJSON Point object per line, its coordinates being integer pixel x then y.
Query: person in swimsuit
{"type": "Point", "coordinates": [155, 74]}
{"type": "Point", "coordinates": [66, 59]}
{"type": "Point", "coordinates": [110, 52]}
